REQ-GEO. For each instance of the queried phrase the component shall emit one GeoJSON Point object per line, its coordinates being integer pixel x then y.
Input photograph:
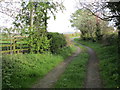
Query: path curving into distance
{"type": "Point", "coordinates": [93, 76]}
{"type": "Point", "coordinates": [50, 79]}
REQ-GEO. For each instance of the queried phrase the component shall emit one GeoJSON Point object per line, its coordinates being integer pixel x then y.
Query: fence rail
{"type": "Point", "coordinates": [13, 45]}
{"type": "Point", "coordinates": [13, 51]}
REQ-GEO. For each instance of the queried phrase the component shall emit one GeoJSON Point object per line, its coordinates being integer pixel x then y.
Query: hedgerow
{"type": "Point", "coordinates": [57, 41]}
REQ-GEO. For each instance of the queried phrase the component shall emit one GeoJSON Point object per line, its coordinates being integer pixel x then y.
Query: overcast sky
{"type": "Point", "coordinates": [62, 23]}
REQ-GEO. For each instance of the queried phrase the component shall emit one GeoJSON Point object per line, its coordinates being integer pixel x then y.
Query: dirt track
{"type": "Point", "coordinates": [93, 78]}
{"type": "Point", "coordinates": [49, 80]}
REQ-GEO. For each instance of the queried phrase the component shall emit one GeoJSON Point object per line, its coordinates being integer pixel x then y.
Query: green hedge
{"type": "Point", "coordinates": [38, 42]}
{"type": "Point", "coordinates": [57, 41]}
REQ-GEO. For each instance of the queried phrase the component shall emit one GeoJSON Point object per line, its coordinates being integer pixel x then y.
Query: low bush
{"type": "Point", "coordinates": [57, 41]}
{"type": "Point", "coordinates": [109, 39]}
{"type": "Point", "coordinates": [66, 51]}
{"type": "Point", "coordinates": [38, 42]}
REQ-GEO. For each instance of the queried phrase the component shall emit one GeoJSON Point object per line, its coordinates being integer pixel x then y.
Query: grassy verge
{"type": "Point", "coordinates": [108, 63]}
{"type": "Point", "coordinates": [22, 70]}
{"type": "Point", "coordinates": [75, 73]}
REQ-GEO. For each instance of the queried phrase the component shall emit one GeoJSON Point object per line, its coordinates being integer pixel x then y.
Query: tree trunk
{"type": "Point", "coordinates": [31, 16]}
{"type": "Point", "coordinates": [31, 25]}
{"type": "Point", "coordinates": [46, 20]}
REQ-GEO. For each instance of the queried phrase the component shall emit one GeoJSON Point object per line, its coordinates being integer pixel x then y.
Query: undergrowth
{"type": "Point", "coordinates": [23, 70]}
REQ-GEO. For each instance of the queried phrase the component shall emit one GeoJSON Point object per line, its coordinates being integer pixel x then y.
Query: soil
{"type": "Point", "coordinates": [93, 76]}
{"type": "Point", "coordinates": [49, 80]}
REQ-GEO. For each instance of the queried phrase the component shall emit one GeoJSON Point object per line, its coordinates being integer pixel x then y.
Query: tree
{"type": "Point", "coordinates": [90, 26]}
{"type": "Point", "coordinates": [33, 21]}
{"type": "Point", "coordinates": [36, 13]}
{"type": "Point", "coordinates": [107, 11]}
{"type": "Point", "coordinates": [115, 10]}
{"type": "Point", "coordinates": [85, 23]}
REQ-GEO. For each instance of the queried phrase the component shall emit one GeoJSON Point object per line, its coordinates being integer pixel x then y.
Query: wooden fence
{"type": "Point", "coordinates": [13, 45]}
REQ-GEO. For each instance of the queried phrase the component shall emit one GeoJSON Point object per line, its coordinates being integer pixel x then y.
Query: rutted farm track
{"type": "Point", "coordinates": [49, 80]}
{"type": "Point", "coordinates": [92, 78]}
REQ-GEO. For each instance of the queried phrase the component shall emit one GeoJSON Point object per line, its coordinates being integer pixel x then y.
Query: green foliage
{"type": "Point", "coordinates": [20, 70]}
{"type": "Point", "coordinates": [66, 51]}
{"type": "Point", "coordinates": [23, 70]}
{"type": "Point", "coordinates": [82, 20]}
{"type": "Point", "coordinates": [57, 41]}
{"type": "Point", "coordinates": [114, 9]}
{"type": "Point", "coordinates": [74, 75]}
{"type": "Point", "coordinates": [98, 32]}
{"type": "Point", "coordinates": [108, 58]}
{"type": "Point", "coordinates": [91, 27]}
{"type": "Point", "coordinates": [32, 20]}
{"type": "Point", "coordinates": [38, 42]}
{"type": "Point", "coordinates": [40, 17]}
{"type": "Point", "coordinates": [110, 39]}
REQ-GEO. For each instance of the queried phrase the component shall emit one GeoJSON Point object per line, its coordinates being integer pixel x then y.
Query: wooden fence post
{"type": "Point", "coordinates": [14, 45]}
{"type": "Point", "coordinates": [17, 45]}
{"type": "Point", "coordinates": [11, 45]}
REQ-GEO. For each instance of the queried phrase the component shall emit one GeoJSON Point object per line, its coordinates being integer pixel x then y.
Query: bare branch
{"type": "Point", "coordinates": [9, 8]}
{"type": "Point", "coordinates": [94, 13]}
{"type": "Point", "coordinates": [98, 9]}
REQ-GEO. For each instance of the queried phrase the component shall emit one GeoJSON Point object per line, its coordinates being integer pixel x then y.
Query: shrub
{"type": "Point", "coordinates": [57, 41]}
{"type": "Point", "coordinates": [109, 39]}
{"type": "Point", "coordinates": [38, 42]}
{"type": "Point", "coordinates": [66, 51]}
